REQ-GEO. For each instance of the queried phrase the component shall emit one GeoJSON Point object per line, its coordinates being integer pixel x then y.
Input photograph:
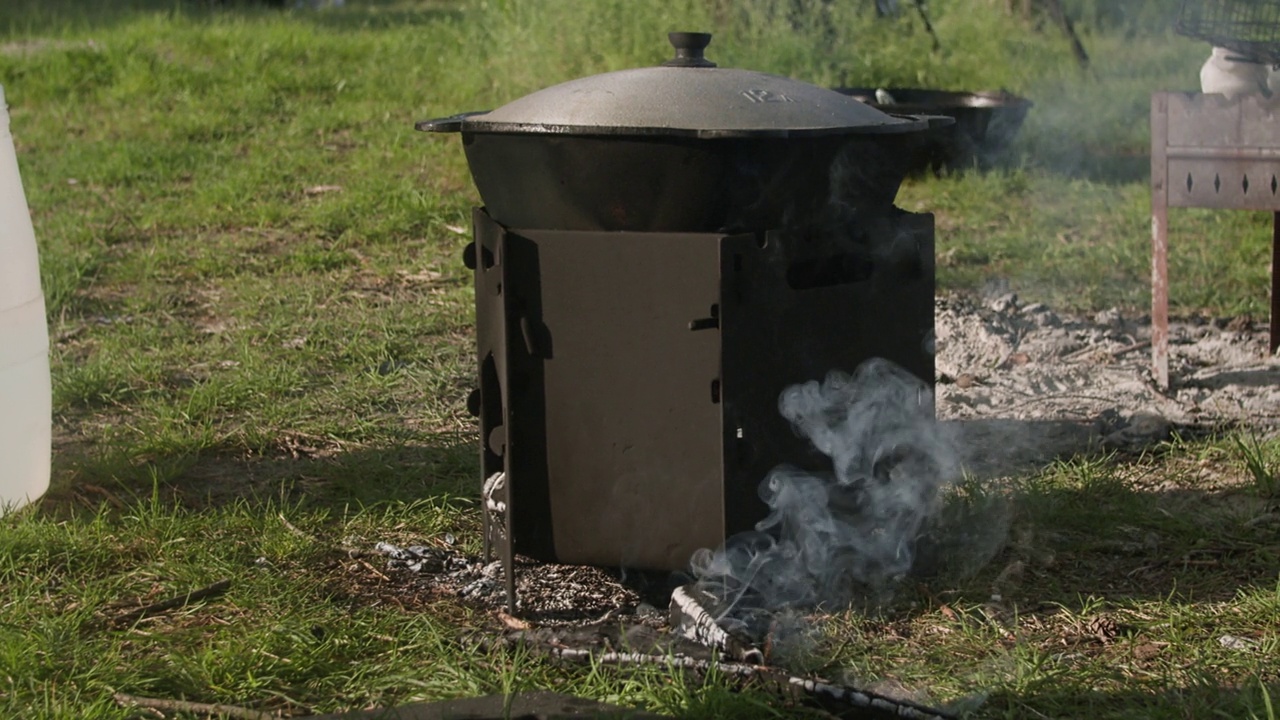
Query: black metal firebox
{"type": "Point", "coordinates": [629, 381]}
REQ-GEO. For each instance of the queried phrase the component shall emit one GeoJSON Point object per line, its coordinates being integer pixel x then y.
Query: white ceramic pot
{"type": "Point", "coordinates": [1224, 73]}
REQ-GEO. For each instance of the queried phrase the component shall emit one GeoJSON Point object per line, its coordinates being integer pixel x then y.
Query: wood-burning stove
{"type": "Point", "coordinates": [631, 360]}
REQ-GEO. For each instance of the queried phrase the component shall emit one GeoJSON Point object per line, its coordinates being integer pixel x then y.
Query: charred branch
{"type": "Point", "coordinates": [692, 621]}
{"type": "Point", "coordinates": [836, 699]}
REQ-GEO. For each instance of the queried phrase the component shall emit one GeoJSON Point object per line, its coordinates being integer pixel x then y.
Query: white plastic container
{"type": "Point", "coordinates": [26, 395]}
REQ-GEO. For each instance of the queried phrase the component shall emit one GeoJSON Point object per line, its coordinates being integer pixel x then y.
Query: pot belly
{"type": "Point", "coordinates": [675, 184]}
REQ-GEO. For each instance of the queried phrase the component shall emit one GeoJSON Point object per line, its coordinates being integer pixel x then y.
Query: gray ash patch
{"type": "Point", "coordinates": [1000, 358]}
{"type": "Point", "coordinates": [547, 593]}
{"type": "Point", "coordinates": [1020, 384]}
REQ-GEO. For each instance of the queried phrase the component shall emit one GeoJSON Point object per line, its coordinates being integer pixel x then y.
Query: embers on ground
{"type": "Point", "coordinates": [547, 594]}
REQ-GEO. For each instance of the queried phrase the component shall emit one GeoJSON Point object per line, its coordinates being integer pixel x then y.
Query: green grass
{"type": "Point", "coordinates": [234, 338]}
{"type": "Point", "coordinates": [1261, 463]}
{"type": "Point", "coordinates": [1112, 600]}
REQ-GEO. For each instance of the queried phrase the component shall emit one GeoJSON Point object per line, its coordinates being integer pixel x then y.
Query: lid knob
{"type": "Point", "coordinates": [689, 47]}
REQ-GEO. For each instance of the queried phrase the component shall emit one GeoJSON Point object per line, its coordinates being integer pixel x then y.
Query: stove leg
{"type": "Point", "coordinates": [485, 528]}
{"type": "Point", "coordinates": [1275, 282]}
{"type": "Point", "coordinates": [1160, 292]}
{"type": "Point", "coordinates": [1159, 241]}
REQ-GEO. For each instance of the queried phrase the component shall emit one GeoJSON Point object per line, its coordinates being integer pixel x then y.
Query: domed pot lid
{"type": "Point", "coordinates": [687, 96]}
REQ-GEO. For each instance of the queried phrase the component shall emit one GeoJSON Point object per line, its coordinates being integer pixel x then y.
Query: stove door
{"type": "Point", "coordinates": [616, 436]}
{"type": "Point", "coordinates": [796, 308]}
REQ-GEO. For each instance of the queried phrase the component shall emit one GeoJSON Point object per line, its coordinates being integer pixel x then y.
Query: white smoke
{"type": "Point", "coordinates": [848, 534]}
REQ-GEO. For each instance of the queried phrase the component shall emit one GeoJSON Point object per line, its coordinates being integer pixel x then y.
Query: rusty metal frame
{"type": "Point", "coordinates": [1209, 152]}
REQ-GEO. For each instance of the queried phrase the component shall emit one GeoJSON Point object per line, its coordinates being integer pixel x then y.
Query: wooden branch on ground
{"type": "Point", "coordinates": [1084, 352]}
{"type": "Point", "coordinates": [178, 601]}
{"type": "Point", "coordinates": [210, 710]}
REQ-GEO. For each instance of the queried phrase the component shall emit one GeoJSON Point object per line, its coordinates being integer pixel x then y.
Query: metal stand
{"type": "Point", "coordinates": [1209, 152]}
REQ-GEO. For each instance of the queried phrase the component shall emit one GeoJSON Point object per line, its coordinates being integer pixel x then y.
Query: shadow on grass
{"type": "Point", "coordinates": [1121, 544]}
{"type": "Point", "coordinates": [446, 466]}
{"type": "Point", "coordinates": [1075, 518]}
{"type": "Point", "coordinates": [1081, 515]}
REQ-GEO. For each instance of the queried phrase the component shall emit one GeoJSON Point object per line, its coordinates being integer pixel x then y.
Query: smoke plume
{"type": "Point", "coordinates": [848, 534]}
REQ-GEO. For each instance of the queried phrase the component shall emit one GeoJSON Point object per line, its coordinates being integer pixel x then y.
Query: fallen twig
{"type": "Point", "coordinates": [99, 490]}
{"type": "Point", "coordinates": [175, 602]}
{"type": "Point", "coordinates": [512, 622]}
{"type": "Point", "coordinates": [1130, 348]}
{"type": "Point", "coordinates": [294, 528]}
{"type": "Point", "coordinates": [372, 569]}
{"type": "Point", "coordinates": [212, 710]}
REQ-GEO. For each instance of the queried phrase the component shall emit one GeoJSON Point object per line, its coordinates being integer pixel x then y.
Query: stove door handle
{"type": "Point", "coordinates": [531, 335]}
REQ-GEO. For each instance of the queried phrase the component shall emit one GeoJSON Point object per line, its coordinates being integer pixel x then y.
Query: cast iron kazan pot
{"type": "Point", "coordinates": [684, 147]}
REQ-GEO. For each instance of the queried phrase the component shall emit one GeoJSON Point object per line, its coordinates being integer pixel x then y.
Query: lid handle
{"type": "Point", "coordinates": [689, 47]}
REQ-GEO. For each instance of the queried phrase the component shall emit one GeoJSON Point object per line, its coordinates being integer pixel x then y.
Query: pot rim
{"type": "Point", "coordinates": [473, 122]}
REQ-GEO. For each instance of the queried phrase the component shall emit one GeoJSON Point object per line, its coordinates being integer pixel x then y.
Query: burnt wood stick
{"type": "Point", "coordinates": [693, 622]}
{"type": "Point", "coordinates": [823, 694]}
